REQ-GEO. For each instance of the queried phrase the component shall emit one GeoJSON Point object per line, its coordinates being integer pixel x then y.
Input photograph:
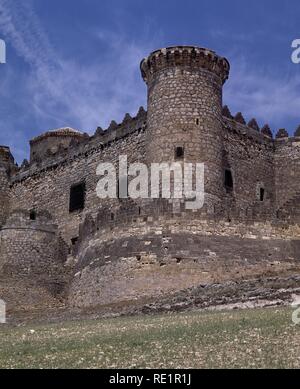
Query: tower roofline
{"type": "Point", "coordinates": [188, 56]}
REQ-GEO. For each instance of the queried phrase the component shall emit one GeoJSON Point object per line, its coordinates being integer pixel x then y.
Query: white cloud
{"type": "Point", "coordinates": [63, 90]}
{"type": "Point", "coordinates": [262, 94]}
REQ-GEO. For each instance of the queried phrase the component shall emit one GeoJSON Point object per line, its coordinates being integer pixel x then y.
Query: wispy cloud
{"type": "Point", "coordinates": [57, 90]}
{"type": "Point", "coordinates": [263, 94]}
{"type": "Point", "coordinates": [61, 90]}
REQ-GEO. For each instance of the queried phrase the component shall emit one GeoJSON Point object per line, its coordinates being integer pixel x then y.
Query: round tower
{"type": "Point", "coordinates": [30, 246]}
{"type": "Point", "coordinates": [52, 140]}
{"type": "Point", "coordinates": [185, 109]}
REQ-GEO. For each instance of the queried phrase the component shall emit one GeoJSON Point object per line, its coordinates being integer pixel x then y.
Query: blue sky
{"type": "Point", "coordinates": [76, 62]}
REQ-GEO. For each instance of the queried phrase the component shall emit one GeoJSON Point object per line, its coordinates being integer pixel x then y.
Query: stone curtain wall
{"type": "Point", "coordinates": [50, 189]}
{"type": "Point", "coordinates": [250, 157]}
{"type": "Point", "coordinates": [4, 195]}
{"type": "Point", "coordinates": [247, 153]}
{"type": "Point", "coordinates": [287, 170]}
{"type": "Point", "coordinates": [153, 258]}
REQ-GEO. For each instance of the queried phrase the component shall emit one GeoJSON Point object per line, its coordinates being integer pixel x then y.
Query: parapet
{"type": "Point", "coordinates": [184, 56]}
{"type": "Point", "coordinates": [253, 131]}
{"type": "Point", "coordinates": [24, 219]}
{"type": "Point", "coordinates": [82, 145]}
{"type": "Point", "coordinates": [32, 247]}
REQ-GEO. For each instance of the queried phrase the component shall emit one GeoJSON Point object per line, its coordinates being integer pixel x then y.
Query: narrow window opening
{"type": "Point", "coordinates": [77, 197]}
{"type": "Point", "coordinates": [112, 216]}
{"type": "Point", "coordinates": [32, 215]}
{"type": "Point", "coordinates": [197, 122]}
{"type": "Point", "coordinates": [228, 180]}
{"type": "Point", "coordinates": [179, 152]}
{"type": "Point", "coordinates": [262, 194]}
{"type": "Point", "coordinates": [74, 241]}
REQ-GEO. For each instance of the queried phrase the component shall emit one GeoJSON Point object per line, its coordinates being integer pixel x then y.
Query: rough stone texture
{"type": "Point", "coordinates": [185, 109]}
{"type": "Point", "coordinates": [157, 258]}
{"type": "Point", "coordinates": [118, 250]}
{"type": "Point", "coordinates": [31, 247]}
{"type": "Point", "coordinates": [7, 167]}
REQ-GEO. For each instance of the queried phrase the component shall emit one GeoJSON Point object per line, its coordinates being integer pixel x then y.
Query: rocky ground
{"type": "Point", "coordinates": [250, 338]}
{"type": "Point", "coordinates": [254, 293]}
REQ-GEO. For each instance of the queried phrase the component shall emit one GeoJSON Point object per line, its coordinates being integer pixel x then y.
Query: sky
{"type": "Point", "coordinates": [76, 62]}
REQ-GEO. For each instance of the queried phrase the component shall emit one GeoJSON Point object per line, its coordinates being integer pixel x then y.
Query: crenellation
{"type": "Point", "coordinates": [239, 118]}
{"type": "Point", "coordinates": [282, 133]}
{"type": "Point", "coordinates": [116, 249]}
{"type": "Point", "coordinates": [253, 124]}
{"type": "Point", "coordinates": [266, 131]}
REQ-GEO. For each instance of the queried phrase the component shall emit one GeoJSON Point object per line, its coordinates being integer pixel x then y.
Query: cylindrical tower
{"type": "Point", "coordinates": [185, 109]}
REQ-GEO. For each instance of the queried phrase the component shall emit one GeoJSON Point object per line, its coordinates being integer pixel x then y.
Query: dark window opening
{"type": "Point", "coordinates": [197, 122]}
{"type": "Point", "coordinates": [228, 180]}
{"type": "Point", "coordinates": [179, 153]}
{"type": "Point", "coordinates": [262, 194]}
{"type": "Point", "coordinates": [32, 215]}
{"type": "Point", "coordinates": [77, 197]}
{"type": "Point", "coordinates": [112, 216]}
{"type": "Point", "coordinates": [74, 241]}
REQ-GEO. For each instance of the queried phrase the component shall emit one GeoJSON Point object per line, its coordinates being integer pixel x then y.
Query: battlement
{"type": "Point", "coordinates": [186, 57]}
{"type": "Point", "coordinates": [254, 132]}
{"type": "Point", "coordinates": [80, 144]}
{"type": "Point", "coordinates": [23, 219]}
{"type": "Point", "coordinates": [57, 230]}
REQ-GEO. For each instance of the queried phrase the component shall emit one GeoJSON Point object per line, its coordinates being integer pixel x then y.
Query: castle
{"type": "Point", "coordinates": [60, 242]}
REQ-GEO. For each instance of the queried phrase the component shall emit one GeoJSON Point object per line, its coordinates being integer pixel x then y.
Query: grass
{"type": "Point", "coordinates": [260, 338]}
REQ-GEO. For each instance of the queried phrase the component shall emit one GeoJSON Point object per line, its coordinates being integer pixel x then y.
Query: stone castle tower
{"type": "Point", "coordinates": [107, 251]}
{"type": "Point", "coordinates": [185, 109]}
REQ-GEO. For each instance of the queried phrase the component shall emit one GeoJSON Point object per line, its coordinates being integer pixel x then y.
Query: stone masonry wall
{"type": "Point", "coordinates": [250, 157]}
{"type": "Point", "coordinates": [49, 189]}
{"type": "Point", "coordinates": [151, 259]}
{"type": "Point", "coordinates": [185, 109]}
{"type": "Point", "coordinates": [4, 195]}
{"type": "Point", "coordinates": [31, 249]}
{"type": "Point", "coordinates": [287, 170]}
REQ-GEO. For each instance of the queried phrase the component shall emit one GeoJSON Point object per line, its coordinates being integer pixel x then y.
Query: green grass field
{"type": "Point", "coordinates": [260, 338]}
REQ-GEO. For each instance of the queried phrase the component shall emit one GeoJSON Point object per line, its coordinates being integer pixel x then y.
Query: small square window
{"type": "Point", "coordinates": [32, 215]}
{"type": "Point", "coordinates": [77, 197]}
{"type": "Point", "coordinates": [179, 153]}
{"type": "Point", "coordinates": [74, 241]}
